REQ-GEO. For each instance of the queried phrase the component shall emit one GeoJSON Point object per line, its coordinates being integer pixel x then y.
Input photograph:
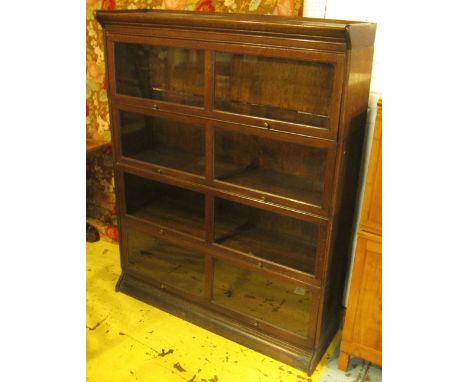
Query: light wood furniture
{"type": "Point", "coordinates": [237, 141]}
{"type": "Point", "coordinates": [362, 333]}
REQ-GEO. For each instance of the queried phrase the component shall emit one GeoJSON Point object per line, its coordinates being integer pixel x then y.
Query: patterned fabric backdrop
{"type": "Point", "coordinates": [100, 201]}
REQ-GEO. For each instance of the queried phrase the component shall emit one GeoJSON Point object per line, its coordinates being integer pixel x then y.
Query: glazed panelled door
{"type": "Point", "coordinates": [278, 306]}
{"type": "Point", "coordinates": [287, 170]}
{"type": "Point", "coordinates": [293, 91]}
{"type": "Point", "coordinates": [168, 141]}
{"type": "Point", "coordinates": [285, 92]}
{"type": "Point", "coordinates": [266, 235]}
{"type": "Point", "coordinates": [163, 263]}
{"type": "Point", "coordinates": [274, 88]}
{"type": "Point", "coordinates": [160, 73]}
{"type": "Point", "coordinates": [164, 205]}
{"type": "Point", "coordinates": [290, 94]}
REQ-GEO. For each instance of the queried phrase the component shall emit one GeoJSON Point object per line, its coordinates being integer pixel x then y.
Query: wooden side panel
{"type": "Point", "coordinates": [349, 152]}
{"type": "Point", "coordinates": [371, 218]}
{"type": "Point", "coordinates": [362, 335]}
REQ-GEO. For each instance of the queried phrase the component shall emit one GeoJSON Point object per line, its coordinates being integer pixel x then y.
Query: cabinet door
{"type": "Point", "coordinates": [288, 173]}
{"type": "Point", "coordinates": [293, 90]}
{"type": "Point", "coordinates": [269, 236]}
{"type": "Point", "coordinates": [168, 140]}
{"type": "Point", "coordinates": [371, 217]}
{"type": "Point", "coordinates": [275, 305]}
{"type": "Point", "coordinates": [160, 72]}
{"type": "Point", "coordinates": [163, 263]}
{"type": "Point", "coordinates": [166, 206]}
{"type": "Point", "coordinates": [362, 333]}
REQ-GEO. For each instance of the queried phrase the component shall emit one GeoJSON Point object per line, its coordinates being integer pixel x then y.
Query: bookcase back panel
{"type": "Point", "coordinates": [160, 73]}
{"type": "Point", "coordinates": [274, 88]}
{"type": "Point", "coordinates": [165, 263]}
{"type": "Point", "coordinates": [163, 142]}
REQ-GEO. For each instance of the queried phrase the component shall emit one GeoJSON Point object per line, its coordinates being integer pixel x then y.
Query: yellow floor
{"type": "Point", "coordinates": [128, 340]}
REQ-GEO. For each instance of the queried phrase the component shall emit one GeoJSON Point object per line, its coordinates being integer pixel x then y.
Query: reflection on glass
{"type": "Point", "coordinates": [276, 88]}
{"type": "Point", "coordinates": [267, 235]}
{"type": "Point", "coordinates": [164, 142]}
{"type": "Point", "coordinates": [160, 73]}
{"type": "Point", "coordinates": [277, 302]}
{"type": "Point", "coordinates": [169, 206]}
{"type": "Point", "coordinates": [166, 263]}
{"type": "Point", "coordinates": [280, 168]}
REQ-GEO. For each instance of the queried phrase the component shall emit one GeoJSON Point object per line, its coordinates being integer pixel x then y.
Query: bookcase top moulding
{"type": "Point", "coordinates": [353, 33]}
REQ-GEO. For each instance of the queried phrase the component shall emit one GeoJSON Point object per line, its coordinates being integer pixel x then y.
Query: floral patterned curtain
{"type": "Point", "coordinates": [100, 204]}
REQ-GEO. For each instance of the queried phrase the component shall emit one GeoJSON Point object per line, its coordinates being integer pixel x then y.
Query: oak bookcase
{"type": "Point", "coordinates": [237, 143]}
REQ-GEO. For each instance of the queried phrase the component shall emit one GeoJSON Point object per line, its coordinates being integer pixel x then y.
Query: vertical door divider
{"type": "Point", "coordinates": [209, 237]}
{"type": "Point", "coordinates": [209, 152]}
{"type": "Point", "coordinates": [209, 207]}
{"type": "Point", "coordinates": [209, 80]}
{"type": "Point", "coordinates": [209, 218]}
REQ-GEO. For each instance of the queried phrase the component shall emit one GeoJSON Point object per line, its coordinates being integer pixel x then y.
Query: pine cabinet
{"type": "Point", "coordinates": [236, 142]}
{"type": "Point", "coordinates": [362, 333]}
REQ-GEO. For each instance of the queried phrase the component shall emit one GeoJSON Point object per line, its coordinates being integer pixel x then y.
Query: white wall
{"type": "Point", "coordinates": [359, 10]}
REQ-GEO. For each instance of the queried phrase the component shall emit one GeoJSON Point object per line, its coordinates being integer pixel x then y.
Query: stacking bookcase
{"type": "Point", "coordinates": [237, 143]}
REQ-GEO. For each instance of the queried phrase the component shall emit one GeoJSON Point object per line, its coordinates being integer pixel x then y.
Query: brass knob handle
{"type": "Point", "coordinates": [156, 107]}
{"type": "Point", "coordinates": [159, 171]}
{"type": "Point", "coordinates": [266, 124]}
{"type": "Point", "coordinates": [263, 198]}
{"type": "Point", "coordinates": [161, 231]}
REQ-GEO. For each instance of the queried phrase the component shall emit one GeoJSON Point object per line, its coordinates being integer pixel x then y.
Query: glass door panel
{"type": "Point", "coordinates": [280, 168]}
{"type": "Point", "coordinates": [165, 263]}
{"type": "Point", "coordinates": [160, 73]}
{"type": "Point", "coordinates": [164, 142]}
{"type": "Point", "coordinates": [260, 296]}
{"type": "Point", "coordinates": [277, 238]}
{"type": "Point", "coordinates": [169, 206]}
{"type": "Point", "coordinates": [275, 88]}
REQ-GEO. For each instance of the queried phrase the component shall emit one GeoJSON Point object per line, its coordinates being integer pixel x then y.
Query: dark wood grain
{"type": "Point", "coordinates": [237, 142]}
{"type": "Point", "coordinates": [325, 29]}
